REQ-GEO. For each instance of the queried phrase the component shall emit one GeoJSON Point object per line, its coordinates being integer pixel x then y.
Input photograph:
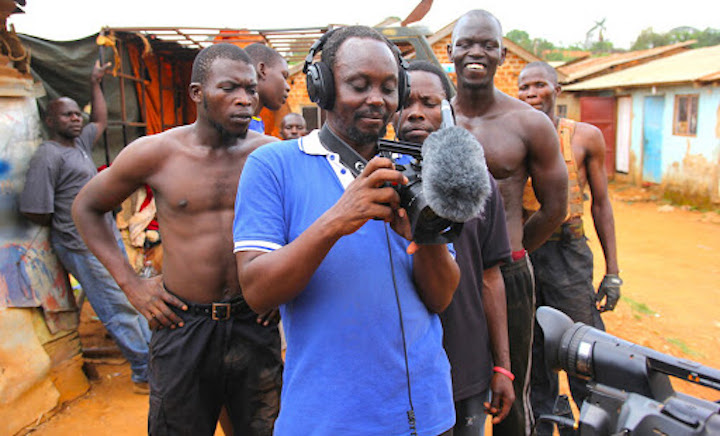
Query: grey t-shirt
{"type": "Point", "coordinates": [55, 176]}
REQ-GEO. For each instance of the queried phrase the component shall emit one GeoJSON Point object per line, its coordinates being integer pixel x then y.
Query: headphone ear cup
{"type": "Point", "coordinates": [403, 88]}
{"type": "Point", "coordinates": [320, 85]}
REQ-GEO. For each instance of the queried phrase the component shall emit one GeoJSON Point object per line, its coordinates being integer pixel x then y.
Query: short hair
{"type": "Point", "coordinates": [204, 60]}
{"type": "Point", "coordinates": [337, 36]}
{"type": "Point", "coordinates": [423, 65]}
{"type": "Point", "coordinates": [545, 67]}
{"type": "Point", "coordinates": [292, 115]}
{"type": "Point", "coordinates": [260, 52]}
{"type": "Point", "coordinates": [477, 13]}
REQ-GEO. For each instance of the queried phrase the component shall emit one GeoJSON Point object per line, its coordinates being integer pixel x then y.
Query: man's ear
{"type": "Point", "coordinates": [449, 51]}
{"type": "Point", "coordinates": [503, 53]}
{"type": "Point", "coordinates": [195, 91]}
{"type": "Point", "coordinates": [261, 69]}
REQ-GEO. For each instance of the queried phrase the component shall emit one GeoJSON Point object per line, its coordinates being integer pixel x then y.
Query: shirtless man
{"type": "Point", "coordinates": [207, 350]}
{"type": "Point", "coordinates": [564, 263]}
{"type": "Point", "coordinates": [477, 313]}
{"type": "Point", "coordinates": [518, 142]}
{"type": "Point", "coordinates": [273, 87]}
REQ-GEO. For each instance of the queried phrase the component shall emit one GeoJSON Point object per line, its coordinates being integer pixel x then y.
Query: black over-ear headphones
{"type": "Point", "coordinates": [321, 84]}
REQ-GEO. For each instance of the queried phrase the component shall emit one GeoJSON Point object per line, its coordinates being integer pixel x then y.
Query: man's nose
{"type": "Point", "coordinates": [414, 112]}
{"type": "Point", "coordinates": [243, 98]}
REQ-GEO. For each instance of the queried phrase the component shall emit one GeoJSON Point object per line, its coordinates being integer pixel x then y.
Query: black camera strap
{"type": "Point", "coordinates": [355, 163]}
{"type": "Point", "coordinates": [350, 158]}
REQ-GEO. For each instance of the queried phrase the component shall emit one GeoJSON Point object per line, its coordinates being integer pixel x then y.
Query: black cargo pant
{"type": "Point", "coordinates": [520, 296]}
{"type": "Point", "coordinates": [198, 368]}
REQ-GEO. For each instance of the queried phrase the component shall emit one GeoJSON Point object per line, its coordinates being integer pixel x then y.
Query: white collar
{"type": "Point", "coordinates": [310, 144]}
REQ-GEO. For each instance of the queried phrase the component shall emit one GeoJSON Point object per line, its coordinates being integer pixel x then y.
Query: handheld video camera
{"type": "Point", "coordinates": [630, 391]}
{"type": "Point", "coordinates": [427, 227]}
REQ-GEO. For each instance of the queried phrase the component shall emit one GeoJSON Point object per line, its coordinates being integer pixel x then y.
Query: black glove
{"type": "Point", "coordinates": [610, 288]}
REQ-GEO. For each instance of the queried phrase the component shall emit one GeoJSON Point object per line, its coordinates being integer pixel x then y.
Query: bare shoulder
{"type": "Point", "coordinates": [528, 117]}
{"type": "Point", "coordinates": [589, 137]}
{"type": "Point", "coordinates": [255, 140]}
{"type": "Point", "coordinates": [157, 145]}
{"type": "Point", "coordinates": [144, 157]}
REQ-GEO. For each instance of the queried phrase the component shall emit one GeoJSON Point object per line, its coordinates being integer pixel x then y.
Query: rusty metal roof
{"type": "Point", "coordinates": [701, 65]}
{"type": "Point", "coordinates": [582, 68]}
{"type": "Point", "coordinates": [292, 44]}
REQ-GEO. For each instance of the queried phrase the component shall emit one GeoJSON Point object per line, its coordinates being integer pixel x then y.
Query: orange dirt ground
{"type": "Point", "coordinates": [670, 262]}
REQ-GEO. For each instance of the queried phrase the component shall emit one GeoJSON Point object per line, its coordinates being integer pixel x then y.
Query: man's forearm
{"type": "Point", "coordinates": [101, 241]}
{"type": "Point", "coordinates": [436, 276]}
{"type": "Point", "coordinates": [99, 112]}
{"type": "Point", "coordinates": [495, 307]}
{"type": "Point", "coordinates": [604, 222]}
{"type": "Point", "coordinates": [542, 223]}
{"type": "Point", "coordinates": [271, 279]}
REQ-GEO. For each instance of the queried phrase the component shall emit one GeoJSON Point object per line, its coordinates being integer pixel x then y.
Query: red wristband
{"type": "Point", "coordinates": [504, 372]}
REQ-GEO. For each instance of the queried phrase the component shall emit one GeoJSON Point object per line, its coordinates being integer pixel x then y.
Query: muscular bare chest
{"type": "Point", "coordinates": [505, 151]}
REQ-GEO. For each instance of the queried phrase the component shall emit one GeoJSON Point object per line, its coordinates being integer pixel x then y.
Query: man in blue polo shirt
{"type": "Point", "coordinates": [364, 353]}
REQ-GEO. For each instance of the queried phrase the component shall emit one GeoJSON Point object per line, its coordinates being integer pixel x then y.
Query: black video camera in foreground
{"type": "Point", "coordinates": [630, 391]}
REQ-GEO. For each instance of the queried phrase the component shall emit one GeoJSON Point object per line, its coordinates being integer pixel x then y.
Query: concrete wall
{"type": "Point", "coordinates": [690, 164]}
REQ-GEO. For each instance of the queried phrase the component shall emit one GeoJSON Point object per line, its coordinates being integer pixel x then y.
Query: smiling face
{"type": "Point", "coordinates": [476, 50]}
{"type": "Point", "coordinates": [536, 87]}
{"type": "Point", "coordinates": [423, 114]}
{"type": "Point", "coordinates": [366, 84]}
{"type": "Point", "coordinates": [228, 96]}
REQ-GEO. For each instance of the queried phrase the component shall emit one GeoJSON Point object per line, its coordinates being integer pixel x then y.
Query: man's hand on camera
{"type": "Point", "coordinates": [369, 196]}
{"type": "Point", "coordinates": [609, 290]}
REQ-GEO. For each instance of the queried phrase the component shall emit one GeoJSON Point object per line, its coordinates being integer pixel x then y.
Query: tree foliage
{"type": "Point", "coordinates": [648, 38]}
{"type": "Point", "coordinates": [598, 46]}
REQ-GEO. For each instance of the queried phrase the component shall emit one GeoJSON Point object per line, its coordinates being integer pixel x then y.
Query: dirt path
{"type": "Point", "coordinates": [670, 262]}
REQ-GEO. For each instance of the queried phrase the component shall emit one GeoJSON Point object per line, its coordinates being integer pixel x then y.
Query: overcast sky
{"type": "Point", "coordinates": [560, 22]}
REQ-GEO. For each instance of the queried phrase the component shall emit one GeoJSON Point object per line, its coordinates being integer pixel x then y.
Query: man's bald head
{"type": "Point", "coordinates": [548, 71]}
{"type": "Point", "coordinates": [476, 15]}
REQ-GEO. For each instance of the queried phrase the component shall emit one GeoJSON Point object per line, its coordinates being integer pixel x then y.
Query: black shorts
{"type": "Point", "coordinates": [197, 368]}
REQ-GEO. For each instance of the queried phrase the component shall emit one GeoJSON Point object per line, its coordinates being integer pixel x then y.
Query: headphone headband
{"type": "Point", "coordinates": [321, 85]}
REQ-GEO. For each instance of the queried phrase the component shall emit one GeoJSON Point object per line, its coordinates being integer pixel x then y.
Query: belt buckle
{"type": "Point", "coordinates": [218, 317]}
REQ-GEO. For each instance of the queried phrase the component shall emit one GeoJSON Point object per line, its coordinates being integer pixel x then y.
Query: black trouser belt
{"type": "Point", "coordinates": [220, 311]}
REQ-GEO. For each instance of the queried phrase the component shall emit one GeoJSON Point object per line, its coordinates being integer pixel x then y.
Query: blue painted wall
{"type": "Point", "coordinates": [675, 147]}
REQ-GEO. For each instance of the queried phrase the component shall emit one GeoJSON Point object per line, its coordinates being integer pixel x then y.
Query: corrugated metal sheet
{"type": "Point", "coordinates": [702, 64]}
{"type": "Point", "coordinates": [586, 67]}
